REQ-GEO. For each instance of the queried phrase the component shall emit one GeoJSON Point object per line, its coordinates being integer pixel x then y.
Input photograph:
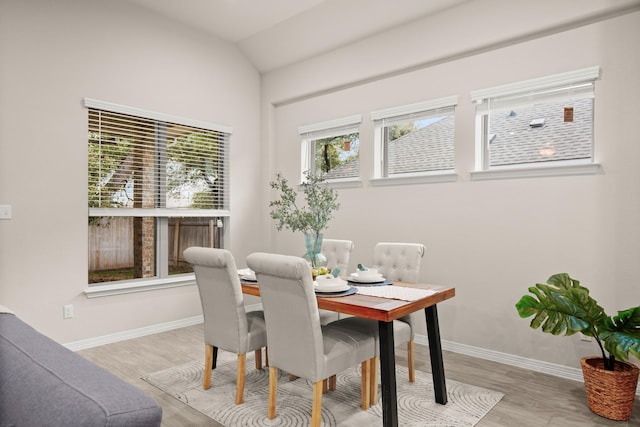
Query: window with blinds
{"type": "Point", "coordinates": [156, 185]}
{"type": "Point", "coordinates": [546, 121]}
{"type": "Point", "coordinates": [332, 148]}
{"type": "Point", "coordinates": [416, 139]}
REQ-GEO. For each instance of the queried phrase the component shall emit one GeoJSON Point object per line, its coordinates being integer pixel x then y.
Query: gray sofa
{"type": "Point", "coordinates": [43, 383]}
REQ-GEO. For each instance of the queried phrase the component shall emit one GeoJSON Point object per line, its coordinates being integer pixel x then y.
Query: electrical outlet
{"type": "Point", "coordinates": [5, 211]}
{"type": "Point", "coordinates": [67, 311]}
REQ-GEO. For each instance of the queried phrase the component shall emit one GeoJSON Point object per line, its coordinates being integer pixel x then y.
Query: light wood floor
{"type": "Point", "coordinates": [531, 399]}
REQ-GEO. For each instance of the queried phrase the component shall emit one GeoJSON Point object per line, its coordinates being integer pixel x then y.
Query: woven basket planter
{"type": "Point", "coordinates": [610, 393]}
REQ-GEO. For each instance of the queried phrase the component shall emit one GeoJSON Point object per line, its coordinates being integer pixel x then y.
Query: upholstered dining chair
{"type": "Point", "coordinates": [337, 253]}
{"type": "Point", "coordinates": [298, 343]}
{"type": "Point", "coordinates": [227, 325]}
{"type": "Point", "coordinates": [401, 262]}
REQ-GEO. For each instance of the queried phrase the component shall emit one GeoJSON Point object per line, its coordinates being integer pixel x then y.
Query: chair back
{"type": "Point", "coordinates": [291, 314]}
{"type": "Point", "coordinates": [399, 261]}
{"type": "Point", "coordinates": [225, 319]}
{"type": "Point", "coordinates": [337, 253]}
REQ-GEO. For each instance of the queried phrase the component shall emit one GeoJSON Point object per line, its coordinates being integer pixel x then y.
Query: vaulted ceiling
{"type": "Point", "coordinates": [276, 33]}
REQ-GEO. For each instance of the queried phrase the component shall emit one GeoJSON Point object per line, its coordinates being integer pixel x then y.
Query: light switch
{"type": "Point", "coordinates": [5, 211]}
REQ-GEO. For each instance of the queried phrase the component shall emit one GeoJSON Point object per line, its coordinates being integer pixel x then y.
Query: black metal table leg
{"type": "Point", "coordinates": [388, 375]}
{"type": "Point", "coordinates": [214, 361]}
{"type": "Point", "coordinates": [435, 351]}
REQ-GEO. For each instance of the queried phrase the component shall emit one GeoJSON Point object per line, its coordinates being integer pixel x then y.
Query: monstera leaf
{"type": "Point", "coordinates": [563, 307]}
{"type": "Point", "coordinates": [621, 334]}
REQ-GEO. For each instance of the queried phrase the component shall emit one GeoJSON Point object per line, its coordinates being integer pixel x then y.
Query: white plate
{"type": "Point", "coordinates": [330, 285]}
{"type": "Point", "coordinates": [247, 274]}
{"type": "Point", "coordinates": [355, 278]}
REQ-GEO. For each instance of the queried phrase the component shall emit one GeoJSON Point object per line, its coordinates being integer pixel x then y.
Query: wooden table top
{"type": "Point", "coordinates": [371, 307]}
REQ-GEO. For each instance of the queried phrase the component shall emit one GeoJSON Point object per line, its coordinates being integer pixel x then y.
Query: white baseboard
{"type": "Point", "coordinates": [133, 333]}
{"type": "Point", "coordinates": [481, 353]}
{"type": "Point", "coordinates": [556, 370]}
{"type": "Point", "coordinates": [141, 332]}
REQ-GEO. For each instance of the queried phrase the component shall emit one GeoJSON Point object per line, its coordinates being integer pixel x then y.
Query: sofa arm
{"type": "Point", "coordinates": [44, 383]}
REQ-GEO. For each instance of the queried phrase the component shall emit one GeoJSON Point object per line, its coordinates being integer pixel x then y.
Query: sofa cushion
{"type": "Point", "coordinates": [44, 383]}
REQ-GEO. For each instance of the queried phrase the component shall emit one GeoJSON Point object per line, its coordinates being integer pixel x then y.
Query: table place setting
{"type": "Point", "coordinates": [329, 286]}
{"type": "Point", "coordinates": [368, 277]}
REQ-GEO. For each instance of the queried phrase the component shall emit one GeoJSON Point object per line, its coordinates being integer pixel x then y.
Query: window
{"type": "Point", "coordinates": [415, 139]}
{"type": "Point", "coordinates": [541, 122]}
{"type": "Point", "coordinates": [157, 185]}
{"type": "Point", "coordinates": [332, 148]}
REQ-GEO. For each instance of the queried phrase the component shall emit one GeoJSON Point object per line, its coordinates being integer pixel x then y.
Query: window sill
{"type": "Point", "coordinates": [415, 179]}
{"type": "Point", "coordinates": [345, 183]}
{"type": "Point", "coordinates": [541, 171]}
{"type": "Point", "coordinates": [133, 286]}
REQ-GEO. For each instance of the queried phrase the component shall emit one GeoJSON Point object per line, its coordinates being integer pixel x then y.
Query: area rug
{"type": "Point", "coordinates": [467, 404]}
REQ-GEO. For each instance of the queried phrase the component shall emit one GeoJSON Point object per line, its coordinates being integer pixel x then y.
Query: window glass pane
{"type": "Point", "coordinates": [121, 161]}
{"type": "Point", "coordinates": [149, 182]}
{"type": "Point", "coordinates": [337, 157]}
{"type": "Point", "coordinates": [194, 168]}
{"type": "Point", "coordinates": [540, 132]}
{"type": "Point", "coordinates": [187, 232]}
{"type": "Point", "coordinates": [121, 248]}
{"type": "Point", "coordinates": [114, 254]}
{"type": "Point", "coordinates": [418, 145]}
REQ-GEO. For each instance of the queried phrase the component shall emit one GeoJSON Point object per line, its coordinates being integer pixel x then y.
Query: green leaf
{"type": "Point", "coordinates": [563, 306]}
{"type": "Point", "coordinates": [559, 306]}
{"type": "Point", "coordinates": [621, 334]}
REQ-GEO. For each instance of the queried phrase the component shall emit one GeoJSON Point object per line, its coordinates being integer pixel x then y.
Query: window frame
{"type": "Point", "coordinates": [426, 109]}
{"type": "Point", "coordinates": [534, 89]}
{"type": "Point", "coordinates": [161, 279]}
{"type": "Point", "coordinates": [320, 130]}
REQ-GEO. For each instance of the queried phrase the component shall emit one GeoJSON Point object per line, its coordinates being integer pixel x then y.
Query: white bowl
{"type": "Point", "coordinates": [368, 274]}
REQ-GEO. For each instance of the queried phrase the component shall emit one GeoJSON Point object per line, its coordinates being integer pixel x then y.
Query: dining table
{"type": "Point", "coordinates": [386, 304]}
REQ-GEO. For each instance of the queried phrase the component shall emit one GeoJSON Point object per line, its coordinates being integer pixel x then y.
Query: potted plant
{"type": "Point", "coordinates": [563, 307]}
{"type": "Point", "coordinates": [312, 219]}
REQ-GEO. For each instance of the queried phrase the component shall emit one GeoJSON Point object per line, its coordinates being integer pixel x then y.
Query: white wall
{"type": "Point", "coordinates": [52, 55]}
{"type": "Point", "coordinates": [491, 239]}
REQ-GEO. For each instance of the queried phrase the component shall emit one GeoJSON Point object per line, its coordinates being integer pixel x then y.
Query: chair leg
{"type": "Point", "coordinates": [208, 361]}
{"type": "Point", "coordinates": [215, 357]}
{"type": "Point", "coordinates": [259, 359]}
{"type": "Point", "coordinates": [273, 385]}
{"type": "Point", "coordinates": [412, 371]}
{"type": "Point", "coordinates": [332, 382]}
{"type": "Point", "coordinates": [242, 363]}
{"type": "Point", "coordinates": [266, 356]}
{"type": "Point", "coordinates": [373, 382]}
{"type": "Point", "coordinates": [325, 386]}
{"type": "Point", "coordinates": [316, 407]}
{"type": "Point", "coordinates": [365, 387]}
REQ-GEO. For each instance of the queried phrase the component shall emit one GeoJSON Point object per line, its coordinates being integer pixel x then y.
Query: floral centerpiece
{"type": "Point", "coordinates": [313, 218]}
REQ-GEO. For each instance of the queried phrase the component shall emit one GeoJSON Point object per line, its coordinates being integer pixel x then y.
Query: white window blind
{"type": "Point", "coordinates": [142, 166]}
{"type": "Point", "coordinates": [406, 113]}
{"type": "Point", "coordinates": [574, 85]}
{"type": "Point", "coordinates": [331, 128]}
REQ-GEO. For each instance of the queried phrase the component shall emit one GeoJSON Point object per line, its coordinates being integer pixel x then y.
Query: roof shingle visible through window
{"type": "Point", "coordinates": [516, 142]}
{"type": "Point", "coordinates": [427, 149]}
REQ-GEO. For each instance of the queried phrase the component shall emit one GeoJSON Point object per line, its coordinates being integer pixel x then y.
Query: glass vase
{"type": "Point", "coordinates": [313, 245]}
